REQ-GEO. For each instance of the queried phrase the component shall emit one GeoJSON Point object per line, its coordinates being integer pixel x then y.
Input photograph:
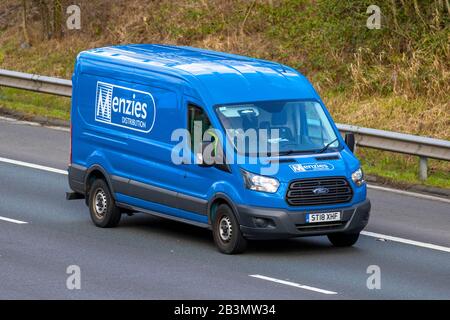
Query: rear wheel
{"type": "Point", "coordinates": [103, 209]}
{"type": "Point", "coordinates": [343, 239]}
{"type": "Point", "coordinates": [226, 231]}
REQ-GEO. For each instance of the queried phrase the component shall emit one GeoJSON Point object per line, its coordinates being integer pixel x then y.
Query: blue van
{"type": "Point", "coordinates": [128, 103]}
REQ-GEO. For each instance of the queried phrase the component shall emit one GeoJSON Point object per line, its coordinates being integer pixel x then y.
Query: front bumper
{"type": "Point", "coordinates": [289, 224]}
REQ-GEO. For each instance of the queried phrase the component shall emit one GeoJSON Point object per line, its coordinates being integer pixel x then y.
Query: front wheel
{"type": "Point", "coordinates": [343, 239]}
{"type": "Point", "coordinates": [226, 231]}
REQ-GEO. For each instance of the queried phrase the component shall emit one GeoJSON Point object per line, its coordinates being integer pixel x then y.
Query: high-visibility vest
{"type": "Point", "coordinates": [213, 134]}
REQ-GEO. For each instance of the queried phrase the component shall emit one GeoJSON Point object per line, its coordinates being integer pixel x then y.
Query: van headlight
{"type": "Point", "coordinates": [358, 177]}
{"type": "Point", "coordinates": [260, 183]}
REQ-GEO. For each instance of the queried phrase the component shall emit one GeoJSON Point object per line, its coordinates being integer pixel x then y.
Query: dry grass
{"type": "Point", "coordinates": [396, 78]}
{"type": "Point", "coordinates": [393, 113]}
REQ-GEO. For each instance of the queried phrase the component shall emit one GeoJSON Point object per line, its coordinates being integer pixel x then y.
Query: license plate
{"type": "Point", "coordinates": [323, 217]}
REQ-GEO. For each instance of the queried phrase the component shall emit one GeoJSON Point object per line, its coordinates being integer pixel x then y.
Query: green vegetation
{"type": "Point", "coordinates": [395, 78]}
{"type": "Point", "coordinates": [401, 170]}
{"type": "Point", "coordinates": [32, 104]}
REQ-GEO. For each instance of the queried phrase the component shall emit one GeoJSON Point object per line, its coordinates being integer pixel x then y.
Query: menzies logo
{"type": "Point", "coordinates": [124, 107]}
{"type": "Point", "coordinates": [311, 167]}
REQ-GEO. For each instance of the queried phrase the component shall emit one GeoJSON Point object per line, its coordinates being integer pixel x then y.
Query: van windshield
{"type": "Point", "coordinates": [291, 127]}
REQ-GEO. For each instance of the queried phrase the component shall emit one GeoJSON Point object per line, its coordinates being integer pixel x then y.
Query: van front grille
{"type": "Point", "coordinates": [319, 191]}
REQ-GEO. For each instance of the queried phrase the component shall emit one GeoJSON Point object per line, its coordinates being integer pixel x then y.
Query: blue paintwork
{"type": "Point", "coordinates": [176, 76]}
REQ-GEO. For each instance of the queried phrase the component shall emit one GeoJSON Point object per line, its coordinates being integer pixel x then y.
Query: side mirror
{"type": "Point", "coordinates": [350, 141]}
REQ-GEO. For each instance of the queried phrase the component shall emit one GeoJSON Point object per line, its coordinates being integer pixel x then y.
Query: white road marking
{"type": "Point", "coordinates": [292, 284]}
{"type": "Point", "coordinates": [366, 233]}
{"type": "Point", "coordinates": [34, 124]}
{"type": "Point", "coordinates": [409, 193]}
{"type": "Point", "coordinates": [403, 192]}
{"type": "Point", "coordinates": [58, 128]}
{"type": "Point", "coordinates": [22, 122]}
{"type": "Point", "coordinates": [375, 187]}
{"type": "Point", "coordinates": [32, 165]}
{"type": "Point", "coordinates": [12, 220]}
{"type": "Point", "coordinates": [406, 241]}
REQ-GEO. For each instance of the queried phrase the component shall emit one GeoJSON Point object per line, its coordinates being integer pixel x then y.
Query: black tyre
{"type": "Point", "coordinates": [343, 239]}
{"type": "Point", "coordinates": [103, 209]}
{"type": "Point", "coordinates": [226, 231]}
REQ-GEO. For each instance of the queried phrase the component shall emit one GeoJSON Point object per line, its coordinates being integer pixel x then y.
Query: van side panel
{"type": "Point", "coordinates": [96, 142]}
{"type": "Point", "coordinates": [153, 176]}
{"type": "Point", "coordinates": [133, 142]}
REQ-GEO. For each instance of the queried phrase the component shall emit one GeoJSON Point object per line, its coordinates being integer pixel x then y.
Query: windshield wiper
{"type": "Point", "coordinates": [288, 152]}
{"type": "Point", "coordinates": [327, 146]}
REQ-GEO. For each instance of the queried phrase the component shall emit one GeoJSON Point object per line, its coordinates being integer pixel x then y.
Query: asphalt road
{"type": "Point", "coordinates": [152, 258]}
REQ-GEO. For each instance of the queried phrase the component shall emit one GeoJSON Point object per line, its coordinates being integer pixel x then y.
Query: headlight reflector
{"type": "Point", "coordinates": [260, 183]}
{"type": "Point", "coordinates": [358, 177]}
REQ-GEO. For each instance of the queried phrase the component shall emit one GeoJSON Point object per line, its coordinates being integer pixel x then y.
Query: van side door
{"type": "Point", "coordinates": [198, 180]}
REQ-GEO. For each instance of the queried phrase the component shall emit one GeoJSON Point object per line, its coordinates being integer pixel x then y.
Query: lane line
{"type": "Point", "coordinates": [402, 192]}
{"type": "Point", "coordinates": [292, 284]}
{"type": "Point", "coordinates": [12, 220]}
{"type": "Point", "coordinates": [32, 165]}
{"type": "Point", "coordinates": [366, 233]}
{"type": "Point", "coordinates": [406, 241]}
{"type": "Point", "coordinates": [409, 193]}
{"type": "Point", "coordinates": [21, 122]}
{"type": "Point", "coordinates": [33, 124]}
{"type": "Point", "coordinates": [375, 187]}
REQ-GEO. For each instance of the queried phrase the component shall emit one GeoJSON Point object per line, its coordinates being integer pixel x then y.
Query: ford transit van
{"type": "Point", "coordinates": [242, 146]}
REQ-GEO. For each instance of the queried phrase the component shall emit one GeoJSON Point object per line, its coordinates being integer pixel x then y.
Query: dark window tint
{"type": "Point", "coordinates": [197, 118]}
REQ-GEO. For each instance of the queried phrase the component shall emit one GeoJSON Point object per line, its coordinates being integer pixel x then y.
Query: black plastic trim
{"type": "Point", "coordinates": [287, 222]}
{"type": "Point", "coordinates": [159, 195]}
{"type": "Point", "coordinates": [76, 177]}
{"type": "Point", "coordinates": [162, 215]}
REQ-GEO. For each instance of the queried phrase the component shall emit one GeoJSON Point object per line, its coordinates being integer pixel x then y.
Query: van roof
{"type": "Point", "coordinates": [223, 77]}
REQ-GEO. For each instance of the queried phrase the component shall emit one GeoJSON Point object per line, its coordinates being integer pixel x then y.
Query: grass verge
{"type": "Point", "coordinates": [391, 168]}
{"type": "Point", "coordinates": [395, 78]}
{"type": "Point", "coordinates": [33, 104]}
{"type": "Point", "coordinates": [402, 170]}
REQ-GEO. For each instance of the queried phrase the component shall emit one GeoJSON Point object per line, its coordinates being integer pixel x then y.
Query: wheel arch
{"type": "Point", "coordinates": [218, 199]}
{"type": "Point", "coordinates": [97, 172]}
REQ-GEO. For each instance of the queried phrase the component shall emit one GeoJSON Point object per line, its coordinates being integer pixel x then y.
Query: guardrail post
{"type": "Point", "coordinates": [423, 168]}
